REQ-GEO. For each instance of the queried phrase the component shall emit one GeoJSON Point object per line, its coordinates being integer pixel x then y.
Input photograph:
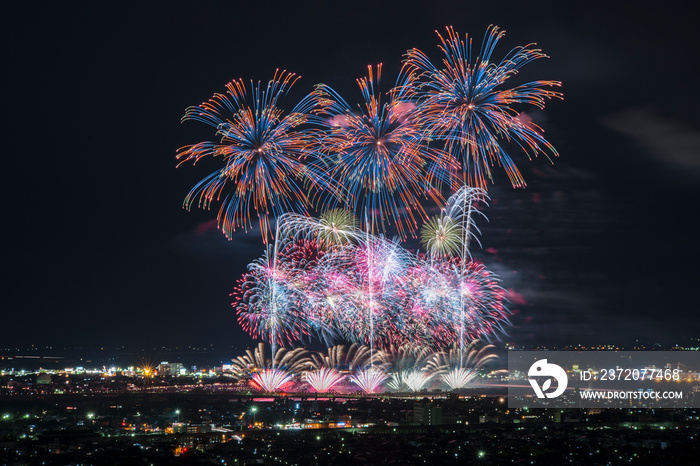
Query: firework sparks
{"type": "Point", "coordinates": [369, 380]}
{"type": "Point", "coordinates": [324, 379]}
{"type": "Point", "coordinates": [458, 377]}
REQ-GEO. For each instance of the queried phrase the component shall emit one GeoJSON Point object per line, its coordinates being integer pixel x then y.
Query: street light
{"type": "Point", "coordinates": [177, 411]}
{"type": "Point", "coordinates": [254, 410]}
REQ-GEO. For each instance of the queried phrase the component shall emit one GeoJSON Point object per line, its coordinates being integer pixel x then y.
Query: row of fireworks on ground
{"type": "Point", "coordinates": [354, 368]}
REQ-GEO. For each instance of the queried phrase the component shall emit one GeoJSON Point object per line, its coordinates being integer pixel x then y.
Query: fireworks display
{"type": "Point", "coordinates": [381, 157]}
{"type": "Point", "coordinates": [348, 370]}
{"type": "Point", "coordinates": [338, 277]}
{"type": "Point", "coordinates": [369, 290]}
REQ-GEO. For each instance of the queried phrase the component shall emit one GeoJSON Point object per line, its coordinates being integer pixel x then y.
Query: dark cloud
{"type": "Point", "coordinates": [669, 141]}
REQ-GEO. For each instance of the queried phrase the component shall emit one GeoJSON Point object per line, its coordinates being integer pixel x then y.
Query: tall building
{"type": "Point", "coordinates": [427, 414]}
{"type": "Point", "coordinates": [173, 369]}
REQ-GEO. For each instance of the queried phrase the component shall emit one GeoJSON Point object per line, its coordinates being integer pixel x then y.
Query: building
{"type": "Point", "coordinates": [427, 414]}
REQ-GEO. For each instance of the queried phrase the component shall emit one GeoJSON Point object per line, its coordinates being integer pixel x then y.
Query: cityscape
{"type": "Point", "coordinates": [168, 413]}
{"type": "Point", "coordinates": [171, 414]}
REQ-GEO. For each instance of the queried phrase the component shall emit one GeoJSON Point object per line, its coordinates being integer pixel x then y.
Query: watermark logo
{"type": "Point", "coordinates": [542, 368]}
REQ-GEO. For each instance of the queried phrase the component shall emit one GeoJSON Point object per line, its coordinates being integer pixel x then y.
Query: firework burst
{"type": "Point", "coordinates": [458, 377]}
{"type": "Point", "coordinates": [337, 227]}
{"type": "Point", "coordinates": [416, 379]}
{"type": "Point", "coordinates": [262, 151]}
{"type": "Point", "coordinates": [377, 154]}
{"type": "Point", "coordinates": [268, 301]}
{"type": "Point", "coordinates": [466, 105]}
{"type": "Point", "coordinates": [441, 236]}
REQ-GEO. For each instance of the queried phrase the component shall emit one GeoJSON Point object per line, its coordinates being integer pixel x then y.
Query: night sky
{"type": "Point", "coordinates": [601, 247]}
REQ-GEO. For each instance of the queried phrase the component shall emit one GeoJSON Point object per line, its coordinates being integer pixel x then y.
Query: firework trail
{"type": "Point", "coordinates": [262, 151]}
{"type": "Point", "coordinates": [347, 359]}
{"type": "Point", "coordinates": [252, 362]}
{"type": "Point", "coordinates": [462, 208]}
{"type": "Point", "coordinates": [464, 103]}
